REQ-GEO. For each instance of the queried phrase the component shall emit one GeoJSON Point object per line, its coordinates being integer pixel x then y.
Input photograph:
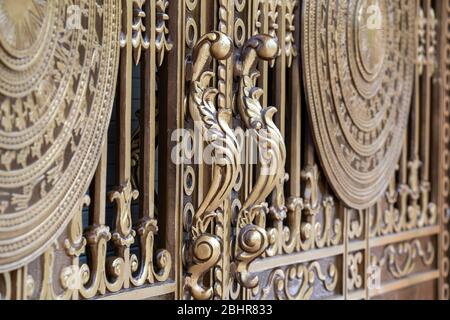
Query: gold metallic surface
{"type": "Point", "coordinates": [57, 81]}
{"type": "Point", "coordinates": [260, 216]}
{"type": "Point", "coordinates": [359, 75]}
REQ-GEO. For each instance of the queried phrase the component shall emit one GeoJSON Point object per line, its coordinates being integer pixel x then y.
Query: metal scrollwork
{"type": "Point", "coordinates": [401, 259]}
{"type": "Point", "coordinates": [298, 282]}
{"type": "Point", "coordinates": [355, 279]}
{"type": "Point", "coordinates": [312, 223]}
{"type": "Point", "coordinates": [205, 248]}
{"type": "Point", "coordinates": [252, 239]}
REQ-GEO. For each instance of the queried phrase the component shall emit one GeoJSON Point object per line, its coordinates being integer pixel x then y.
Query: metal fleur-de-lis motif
{"type": "Point", "coordinates": [123, 196]}
{"type": "Point", "coordinates": [139, 40]}
{"type": "Point", "coordinates": [163, 43]}
{"type": "Point", "coordinates": [290, 48]}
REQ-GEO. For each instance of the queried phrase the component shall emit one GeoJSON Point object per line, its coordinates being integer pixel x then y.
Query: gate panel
{"type": "Point", "coordinates": [205, 191]}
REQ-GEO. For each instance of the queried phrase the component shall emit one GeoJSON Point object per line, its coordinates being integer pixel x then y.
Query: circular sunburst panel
{"type": "Point", "coordinates": [58, 65]}
{"type": "Point", "coordinates": [359, 62]}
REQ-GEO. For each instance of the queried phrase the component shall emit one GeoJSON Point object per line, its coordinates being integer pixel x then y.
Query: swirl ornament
{"type": "Point", "coordinates": [401, 260]}
{"type": "Point", "coordinates": [252, 241]}
{"type": "Point", "coordinates": [206, 253]}
{"type": "Point", "coordinates": [359, 59]}
{"type": "Point", "coordinates": [58, 65]}
{"type": "Point", "coordinates": [298, 282]}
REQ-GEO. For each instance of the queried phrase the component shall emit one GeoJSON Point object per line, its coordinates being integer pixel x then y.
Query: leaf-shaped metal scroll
{"type": "Point", "coordinates": [206, 247]}
{"type": "Point", "coordinates": [252, 237]}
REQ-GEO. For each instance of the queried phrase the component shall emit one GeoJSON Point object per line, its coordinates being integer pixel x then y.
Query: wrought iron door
{"type": "Point", "coordinates": [224, 149]}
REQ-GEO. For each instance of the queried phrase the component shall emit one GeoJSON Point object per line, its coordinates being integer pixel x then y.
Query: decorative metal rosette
{"type": "Point", "coordinates": [359, 58]}
{"type": "Point", "coordinates": [58, 67]}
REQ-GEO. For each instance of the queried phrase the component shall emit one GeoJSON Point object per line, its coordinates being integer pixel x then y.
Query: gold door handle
{"type": "Point", "coordinates": [206, 248]}
{"type": "Point", "coordinates": [252, 238]}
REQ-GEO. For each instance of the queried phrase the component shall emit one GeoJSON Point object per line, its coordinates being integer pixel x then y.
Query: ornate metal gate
{"type": "Point", "coordinates": [187, 184]}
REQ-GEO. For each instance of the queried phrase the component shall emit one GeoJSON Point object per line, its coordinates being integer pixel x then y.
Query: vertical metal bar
{"type": "Point", "coordinates": [345, 254]}
{"type": "Point", "coordinates": [148, 114]}
{"type": "Point", "coordinates": [124, 117]}
{"type": "Point", "coordinates": [180, 70]}
{"type": "Point", "coordinates": [124, 110]}
{"type": "Point", "coordinates": [404, 161]}
{"type": "Point", "coordinates": [98, 194]}
{"type": "Point", "coordinates": [295, 132]}
{"type": "Point", "coordinates": [169, 109]}
{"type": "Point", "coordinates": [225, 86]}
{"type": "Point", "coordinates": [425, 96]}
{"type": "Point", "coordinates": [280, 68]}
{"type": "Point", "coordinates": [415, 124]}
{"type": "Point", "coordinates": [19, 285]}
{"type": "Point", "coordinates": [440, 146]}
{"type": "Point", "coordinates": [178, 73]}
{"type": "Point", "coordinates": [367, 250]}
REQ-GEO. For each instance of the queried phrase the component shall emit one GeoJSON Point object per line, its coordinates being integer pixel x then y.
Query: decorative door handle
{"type": "Point", "coordinates": [206, 247]}
{"type": "Point", "coordinates": [252, 239]}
